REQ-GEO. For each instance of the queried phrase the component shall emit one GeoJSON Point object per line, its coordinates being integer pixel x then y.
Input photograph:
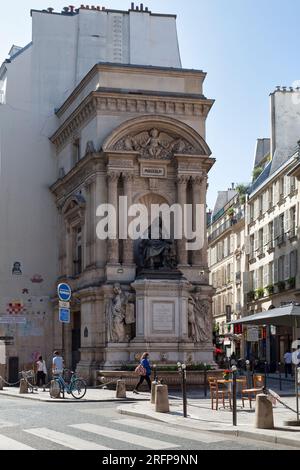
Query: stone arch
{"type": "Point", "coordinates": [166, 125]}
{"type": "Point", "coordinates": [73, 202]}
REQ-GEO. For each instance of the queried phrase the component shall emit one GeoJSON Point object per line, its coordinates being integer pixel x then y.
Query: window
{"type": "Point", "coordinates": [271, 197]}
{"type": "Point", "coordinates": [76, 151]}
{"type": "Point", "coordinates": [78, 252]}
{"type": "Point", "coordinates": [281, 268]}
{"type": "Point", "coordinates": [260, 204]}
{"type": "Point", "coordinates": [293, 263]}
{"type": "Point", "coordinates": [292, 227]}
{"type": "Point", "coordinates": [281, 188]}
{"type": "Point", "coordinates": [252, 247]}
{"type": "Point", "coordinates": [293, 184]}
{"type": "Point", "coordinates": [260, 241]}
{"type": "Point", "coordinates": [271, 272]}
{"type": "Point", "coordinates": [270, 235]}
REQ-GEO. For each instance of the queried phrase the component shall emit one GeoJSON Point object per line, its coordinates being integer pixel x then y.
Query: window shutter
{"type": "Point", "coordinates": [276, 227]}
{"type": "Point", "coordinates": [231, 243]}
{"type": "Point", "coordinates": [286, 267]}
{"type": "Point", "coordinates": [286, 222]}
{"type": "Point", "coordinates": [293, 263]}
{"type": "Point", "coordinates": [285, 193]}
{"type": "Point", "coordinates": [231, 272]}
{"type": "Point", "coordinates": [266, 276]}
{"type": "Point", "coordinates": [288, 185]}
{"type": "Point", "coordinates": [247, 245]}
{"type": "Point", "coordinates": [276, 270]}
{"type": "Point", "coordinates": [255, 242]}
{"type": "Point", "coordinates": [265, 235]}
{"type": "Point", "coordinates": [276, 192]}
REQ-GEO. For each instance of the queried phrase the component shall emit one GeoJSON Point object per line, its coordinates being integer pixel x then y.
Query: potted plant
{"type": "Point", "coordinates": [226, 374]}
{"type": "Point", "coordinates": [292, 282]}
{"type": "Point", "coordinates": [231, 212]}
{"type": "Point", "coordinates": [251, 296]}
{"type": "Point", "coordinates": [260, 293]}
{"type": "Point", "coordinates": [281, 286]}
{"type": "Point", "coordinates": [270, 288]}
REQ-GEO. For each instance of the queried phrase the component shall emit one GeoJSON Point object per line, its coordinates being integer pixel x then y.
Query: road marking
{"type": "Point", "coordinates": [160, 428]}
{"type": "Point", "coordinates": [66, 440]}
{"type": "Point", "coordinates": [125, 436]}
{"type": "Point", "coordinates": [6, 443]}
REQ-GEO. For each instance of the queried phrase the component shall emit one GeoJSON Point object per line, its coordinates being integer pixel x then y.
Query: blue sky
{"type": "Point", "coordinates": [247, 47]}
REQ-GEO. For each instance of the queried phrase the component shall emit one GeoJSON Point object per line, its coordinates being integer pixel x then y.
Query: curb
{"type": "Point", "coordinates": [70, 400]}
{"type": "Point", "coordinates": [254, 435]}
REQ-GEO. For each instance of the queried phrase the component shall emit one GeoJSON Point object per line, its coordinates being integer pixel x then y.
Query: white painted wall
{"type": "Point", "coordinates": [285, 113]}
{"type": "Point", "coordinates": [39, 79]}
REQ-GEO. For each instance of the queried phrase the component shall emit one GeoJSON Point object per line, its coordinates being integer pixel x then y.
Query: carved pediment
{"type": "Point", "coordinates": [155, 144]}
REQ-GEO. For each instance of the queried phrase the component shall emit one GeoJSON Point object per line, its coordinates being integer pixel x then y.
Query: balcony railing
{"type": "Point", "coordinates": [228, 224]}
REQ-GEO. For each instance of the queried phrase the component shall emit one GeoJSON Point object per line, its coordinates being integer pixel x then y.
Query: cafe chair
{"type": "Point", "coordinates": [217, 393]}
{"type": "Point", "coordinates": [250, 393]}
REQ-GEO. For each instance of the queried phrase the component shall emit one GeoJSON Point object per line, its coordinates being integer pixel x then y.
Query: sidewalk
{"type": "Point", "coordinates": [92, 395]}
{"type": "Point", "coordinates": [202, 417]}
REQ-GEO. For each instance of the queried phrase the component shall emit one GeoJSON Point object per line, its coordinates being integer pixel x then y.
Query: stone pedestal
{"type": "Point", "coordinates": [162, 399]}
{"type": "Point", "coordinates": [23, 386]}
{"type": "Point", "coordinates": [153, 392]}
{"type": "Point", "coordinates": [162, 323]}
{"type": "Point", "coordinates": [54, 389]}
{"type": "Point", "coordinates": [121, 389]}
{"type": "Point", "coordinates": [264, 413]}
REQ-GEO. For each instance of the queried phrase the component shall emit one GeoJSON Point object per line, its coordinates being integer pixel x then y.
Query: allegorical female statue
{"type": "Point", "coordinates": [200, 324]}
{"type": "Point", "coordinates": [119, 313]}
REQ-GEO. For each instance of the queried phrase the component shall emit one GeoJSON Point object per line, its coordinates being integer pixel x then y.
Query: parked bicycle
{"type": "Point", "coordinates": [76, 387]}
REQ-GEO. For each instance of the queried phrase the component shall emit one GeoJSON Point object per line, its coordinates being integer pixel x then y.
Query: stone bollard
{"type": "Point", "coordinates": [54, 389]}
{"type": "Point", "coordinates": [161, 399]}
{"type": "Point", "coordinates": [1, 383]}
{"type": "Point", "coordinates": [121, 389]}
{"type": "Point", "coordinates": [23, 386]}
{"type": "Point", "coordinates": [263, 413]}
{"type": "Point", "coordinates": [153, 392]}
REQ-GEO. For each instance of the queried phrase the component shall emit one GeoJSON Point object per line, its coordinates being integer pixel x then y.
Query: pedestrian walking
{"type": "Point", "coordinates": [144, 369]}
{"type": "Point", "coordinates": [41, 370]}
{"type": "Point", "coordinates": [57, 364]}
{"type": "Point", "coordinates": [288, 358]}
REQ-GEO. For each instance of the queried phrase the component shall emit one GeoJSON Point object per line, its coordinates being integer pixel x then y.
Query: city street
{"type": "Point", "coordinates": [32, 425]}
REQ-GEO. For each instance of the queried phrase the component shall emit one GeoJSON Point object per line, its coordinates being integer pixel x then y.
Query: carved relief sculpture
{"type": "Point", "coordinates": [116, 316]}
{"type": "Point", "coordinates": [200, 324]}
{"type": "Point", "coordinates": [154, 144]}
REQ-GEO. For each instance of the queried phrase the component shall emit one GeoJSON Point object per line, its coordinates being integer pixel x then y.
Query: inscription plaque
{"type": "Point", "coordinates": [163, 317]}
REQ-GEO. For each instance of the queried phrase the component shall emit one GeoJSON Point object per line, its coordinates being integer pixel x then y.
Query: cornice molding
{"type": "Point", "coordinates": [116, 103]}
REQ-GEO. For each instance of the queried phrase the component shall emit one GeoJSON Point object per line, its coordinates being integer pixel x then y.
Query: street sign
{"type": "Point", "coordinates": [64, 292]}
{"type": "Point", "coordinates": [252, 334]}
{"type": "Point", "coordinates": [64, 315]}
{"type": "Point", "coordinates": [64, 304]}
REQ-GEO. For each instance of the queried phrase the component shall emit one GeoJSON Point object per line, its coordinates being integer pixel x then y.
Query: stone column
{"type": "Point", "coordinates": [182, 182]}
{"type": "Point", "coordinates": [113, 245]}
{"type": "Point", "coordinates": [196, 189]}
{"type": "Point", "coordinates": [89, 223]}
{"type": "Point", "coordinates": [128, 257]}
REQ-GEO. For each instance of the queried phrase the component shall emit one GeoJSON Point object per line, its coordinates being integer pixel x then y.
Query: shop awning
{"type": "Point", "coordinates": [288, 315]}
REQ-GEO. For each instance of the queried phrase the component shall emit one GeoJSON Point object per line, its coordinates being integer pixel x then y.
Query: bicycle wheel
{"type": "Point", "coordinates": [78, 388]}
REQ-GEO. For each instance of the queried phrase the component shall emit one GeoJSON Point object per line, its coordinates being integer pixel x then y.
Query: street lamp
{"type": "Point", "coordinates": [249, 385]}
{"type": "Point", "coordinates": [182, 370]}
{"type": "Point", "coordinates": [234, 407]}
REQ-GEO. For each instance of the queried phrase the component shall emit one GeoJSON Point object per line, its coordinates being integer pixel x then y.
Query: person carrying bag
{"type": "Point", "coordinates": [144, 371]}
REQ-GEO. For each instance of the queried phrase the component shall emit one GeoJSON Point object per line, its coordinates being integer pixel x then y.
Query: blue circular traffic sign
{"type": "Point", "coordinates": [64, 292]}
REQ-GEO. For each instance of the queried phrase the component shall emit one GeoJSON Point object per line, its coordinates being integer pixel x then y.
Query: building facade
{"type": "Point", "coordinates": [109, 113]}
{"type": "Point", "coordinates": [227, 263]}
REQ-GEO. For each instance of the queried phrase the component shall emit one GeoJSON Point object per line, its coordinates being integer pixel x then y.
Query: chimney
{"type": "Point", "coordinates": [103, 8]}
{"type": "Point", "coordinates": [50, 10]}
{"type": "Point", "coordinates": [233, 185]}
{"type": "Point", "coordinates": [98, 8]}
{"type": "Point", "coordinates": [141, 7]}
{"type": "Point", "coordinates": [65, 10]}
{"type": "Point", "coordinates": [146, 9]}
{"type": "Point", "coordinates": [132, 6]}
{"type": "Point", "coordinates": [72, 8]}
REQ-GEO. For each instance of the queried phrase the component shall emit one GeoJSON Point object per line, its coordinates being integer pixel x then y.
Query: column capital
{"type": "Point", "coordinates": [89, 182]}
{"type": "Point", "coordinates": [183, 179]}
{"type": "Point", "coordinates": [113, 176]}
{"type": "Point", "coordinates": [199, 179]}
{"type": "Point", "coordinates": [128, 176]}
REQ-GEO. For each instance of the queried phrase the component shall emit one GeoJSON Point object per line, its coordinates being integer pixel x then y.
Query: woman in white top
{"type": "Point", "coordinates": [41, 372]}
